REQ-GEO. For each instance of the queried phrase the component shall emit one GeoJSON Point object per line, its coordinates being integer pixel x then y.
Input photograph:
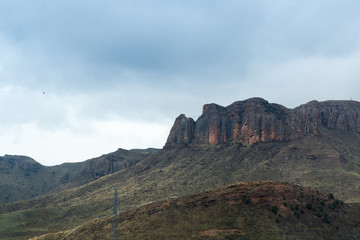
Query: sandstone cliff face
{"type": "Point", "coordinates": [183, 130]}
{"type": "Point", "coordinates": [255, 120]}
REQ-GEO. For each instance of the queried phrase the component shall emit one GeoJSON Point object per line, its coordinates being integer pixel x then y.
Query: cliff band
{"type": "Point", "coordinates": [256, 120]}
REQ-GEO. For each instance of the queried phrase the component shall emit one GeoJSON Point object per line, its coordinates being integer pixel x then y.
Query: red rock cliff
{"type": "Point", "coordinates": [255, 120]}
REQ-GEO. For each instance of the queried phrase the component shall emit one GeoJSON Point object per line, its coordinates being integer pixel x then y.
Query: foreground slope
{"type": "Point", "coordinates": [256, 210]}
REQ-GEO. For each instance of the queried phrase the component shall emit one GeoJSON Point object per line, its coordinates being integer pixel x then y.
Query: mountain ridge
{"type": "Point", "coordinates": [23, 178]}
{"type": "Point", "coordinates": [256, 120]}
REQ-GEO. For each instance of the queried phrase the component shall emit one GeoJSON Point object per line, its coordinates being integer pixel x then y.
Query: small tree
{"type": "Point", "coordinates": [274, 209]}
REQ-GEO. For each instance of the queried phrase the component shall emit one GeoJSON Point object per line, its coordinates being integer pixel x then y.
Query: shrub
{"type": "Point", "coordinates": [274, 209]}
{"type": "Point", "coordinates": [247, 200]}
{"type": "Point", "coordinates": [326, 220]}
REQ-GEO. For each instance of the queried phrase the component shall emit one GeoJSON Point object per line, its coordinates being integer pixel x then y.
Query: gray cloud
{"type": "Point", "coordinates": [167, 38]}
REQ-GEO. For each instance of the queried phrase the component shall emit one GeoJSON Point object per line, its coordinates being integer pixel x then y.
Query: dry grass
{"type": "Point", "coordinates": [240, 211]}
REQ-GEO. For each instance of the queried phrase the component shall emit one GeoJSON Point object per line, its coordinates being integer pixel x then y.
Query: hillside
{"type": "Point", "coordinates": [22, 177]}
{"type": "Point", "coordinates": [309, 161]}
{"type": "Point", "coordinates": [327, 160]}
{"type": "Point", "coordinates": [256, 210]}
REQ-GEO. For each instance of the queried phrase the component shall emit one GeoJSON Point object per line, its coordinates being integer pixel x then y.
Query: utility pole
{"type": "Point", "coordinates": [114, 225]}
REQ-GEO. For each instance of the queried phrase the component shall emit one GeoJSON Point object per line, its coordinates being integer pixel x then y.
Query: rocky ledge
{"type": "Point", "coordinates": [256, 120]}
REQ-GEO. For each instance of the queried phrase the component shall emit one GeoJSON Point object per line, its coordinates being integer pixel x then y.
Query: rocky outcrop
{"type": "Point", "coordinates": [256, 120]}
{"type": "Point", "coordinates": [183, 130]}
{"type": "Point", "coordinates": [23, 163]}
{"type": "Point", "coordinates": [110, 163]}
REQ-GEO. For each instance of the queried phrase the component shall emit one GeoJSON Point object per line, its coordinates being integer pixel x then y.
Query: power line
{"type": "Point", "coordinates": [72, 231]}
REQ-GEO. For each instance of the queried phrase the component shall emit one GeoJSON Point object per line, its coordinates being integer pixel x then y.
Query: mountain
{"type": "Point", "coordinates": [15, 178]}
{"type": "Point", "coordinates": [23, 178]}
{"type": "Point", "coordinates": [178, 171]}
{"type": "Point", "coordinates": [255, 210]}
{"type": "Point", "coordinates": [327, 159]}
{"type": "Point", "coordinates": [256, 120]}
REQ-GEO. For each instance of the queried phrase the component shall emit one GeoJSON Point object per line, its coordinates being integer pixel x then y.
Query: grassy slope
{"type": "Point", "coordinates": [23, 178]}
{"type": "Point", "coordinates": [329, 163]}
{"type": "Point", "coordinates": [260, 210]}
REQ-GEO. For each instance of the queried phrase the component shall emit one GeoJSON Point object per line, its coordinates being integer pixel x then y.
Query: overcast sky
{"type": "Point", "coordinates": [81, 78]}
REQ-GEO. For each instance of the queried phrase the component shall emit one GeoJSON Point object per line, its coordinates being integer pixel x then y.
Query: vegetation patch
{"type": "Point", "coordinates": [223, 232]}
{"type": "Point", "coordinates": [192, 217]}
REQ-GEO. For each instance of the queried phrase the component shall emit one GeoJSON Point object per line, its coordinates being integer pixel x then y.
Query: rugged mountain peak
{"type": "Point", "coordinates": [212, 108]}
{"type": "Point", "coordinates": [27, 164]}
{"type": "Point", "coordinates": [182, 131]}
{"type": "Point", "coordinates": [256, 120]}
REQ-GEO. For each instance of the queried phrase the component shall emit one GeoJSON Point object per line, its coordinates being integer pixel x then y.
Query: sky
{"type": "Point", "coordinates": [82, 78]}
